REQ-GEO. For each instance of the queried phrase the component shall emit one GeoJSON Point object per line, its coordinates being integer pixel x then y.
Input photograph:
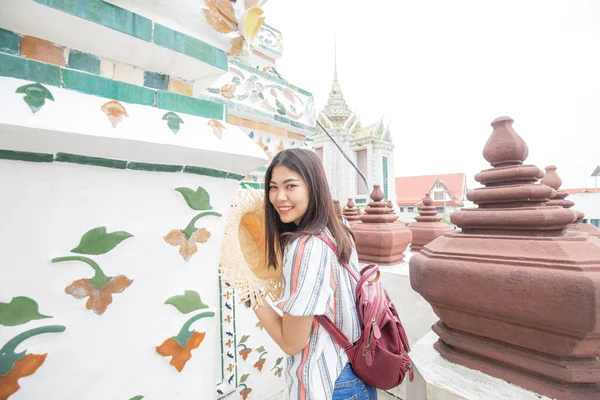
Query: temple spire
{"type": "Point", "coordinates": [335, 77]}
{"type": "Point", "coordinates": [336, 109]}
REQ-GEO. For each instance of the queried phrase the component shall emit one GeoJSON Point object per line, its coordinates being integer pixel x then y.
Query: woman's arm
{"type": "Point", "coordinates": [289, 332]}
{"type": "Point", "coordinates": [307, 293]}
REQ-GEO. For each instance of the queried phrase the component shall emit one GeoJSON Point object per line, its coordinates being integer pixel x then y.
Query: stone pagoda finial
{"type": "Point", "coordinates": [378, 238]}
{"type": "Point", "coordinates": [553, 180]}
{"type": "Point", "coordinates": [515, 295]}
{"type": "Point", "coordinates": [511, 200]}
{"type": "Point", "coordinates": [352, 212]}
{"type": "Point", "coordinates": [505, 146]}
{"type": "Point", "coordinates": [428, 225]}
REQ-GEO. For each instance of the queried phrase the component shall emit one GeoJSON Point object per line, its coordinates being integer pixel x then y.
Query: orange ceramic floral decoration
{"type": "Point", "coordinates": [115, 112]}
{"type": "Point", "coordinates": [260, 363]}
{"type": "Point", "coordinates": [220, 15]}
{"type": "Point", "coordinates": [245, 392]}
{"type": "Point", "coordinates": [99, 299]}
{"type": "Point", "coordinates": [217, 127]}
{"type": "Point", "coordinates": [188, 246]}
{"type": "Point", "coordinates": [244, 352]}
{"type": "Point", "coordinates": [24, 367]}
{"type": "Point", "coordinates": [237, 44]}
{"type": "Point", "coordinates": [228, 90]}
{"type": "Point", "coordinates": [180, 355]}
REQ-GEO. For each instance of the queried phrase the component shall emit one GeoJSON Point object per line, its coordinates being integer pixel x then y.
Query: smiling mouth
{"type": "Point", "coordinates": [285, 210]}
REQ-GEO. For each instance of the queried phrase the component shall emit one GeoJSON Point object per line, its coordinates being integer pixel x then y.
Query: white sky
{"type": "Point", "coordinates": [441, 71]}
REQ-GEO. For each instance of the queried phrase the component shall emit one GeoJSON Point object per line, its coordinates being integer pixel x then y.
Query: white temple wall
{"type": "Point", "coordinates": [81, 189]}
{"type": "Point", "coordinates": [110, 162]}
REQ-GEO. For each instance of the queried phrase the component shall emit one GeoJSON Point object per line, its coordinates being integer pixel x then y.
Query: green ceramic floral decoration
{"type": "Point", "coordinates": [20, 310]}
{"type": "Point", "coordinates": [173, 121]}
{"type": "Point", "coordinates": [198, 199]}
{"type": "Point", "coordinates": [96, 241]}
{"type": "Point", "coordinates": [8, 354]}
{"type": "Point", "coordinates": [188, 302]}
{"type": "Point", "coordinates": [35, 95]}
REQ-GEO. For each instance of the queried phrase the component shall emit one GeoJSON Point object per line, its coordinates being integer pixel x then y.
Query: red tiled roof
{"type": "Point", "coordinates": [413, 188]}
{"type": "Point", "coordinates": [574, 191]}
{"type": "Point", "coordinates": [437, 203]}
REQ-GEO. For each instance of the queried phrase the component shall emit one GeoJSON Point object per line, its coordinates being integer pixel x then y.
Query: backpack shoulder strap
{"type": "Point", "coordinates": [329, 326]}
{"type": "Point", "coordinates": [334, 331]}
{"type": "Point", "coordinates": [333, 247]}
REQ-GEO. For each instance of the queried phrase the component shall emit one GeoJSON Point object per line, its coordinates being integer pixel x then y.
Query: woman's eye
{"type": "Point", "coordinates": [291, 186]}
{"type": "Point", "coordinates": [272, 187]}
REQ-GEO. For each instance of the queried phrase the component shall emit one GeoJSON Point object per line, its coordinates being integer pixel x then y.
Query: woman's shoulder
{"type": "Point", "coordinates": [305, 242]}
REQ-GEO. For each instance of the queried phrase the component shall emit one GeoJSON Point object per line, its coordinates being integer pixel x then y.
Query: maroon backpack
{"type": "Point", "coordinates": [380, 356]}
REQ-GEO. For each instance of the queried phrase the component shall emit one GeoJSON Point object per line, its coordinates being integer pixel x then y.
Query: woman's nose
{"type": "Point", "coordinates": [281, 196]}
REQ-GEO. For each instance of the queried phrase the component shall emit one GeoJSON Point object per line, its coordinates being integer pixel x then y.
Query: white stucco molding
{"type": "Point", "coordinates": [148, 50]}
{"type": "Point", "coordinates": [75, 123]}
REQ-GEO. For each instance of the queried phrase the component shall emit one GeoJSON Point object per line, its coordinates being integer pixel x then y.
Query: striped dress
{"type": "Point", "coordinates": [314, 283]}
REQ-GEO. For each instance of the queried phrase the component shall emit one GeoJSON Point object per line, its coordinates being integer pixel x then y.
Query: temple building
{"type": "Point", "coordinates": [448, 192]}
{"type": "Point", "coordinates": [370, 147]}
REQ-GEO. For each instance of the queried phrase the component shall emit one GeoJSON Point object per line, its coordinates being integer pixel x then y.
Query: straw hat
{"type": "Point", "coordinates": [243, 263]}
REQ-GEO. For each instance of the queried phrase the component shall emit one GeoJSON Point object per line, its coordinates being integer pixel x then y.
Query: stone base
{"type": "Point", "coordinates": [439, 379]}
{"type": "Point", "coordinates": [381, 261]}
{"type": "Point", "coordinates": [536, 372]}
{"type": "Point", "coordinates": [416, 314]}
{"type": "Point", "coordinates": [584, 228]}
{"type": "Point", "coordinates": [416, 247]}
{"type": "Point", "coordinates": [381, 243]}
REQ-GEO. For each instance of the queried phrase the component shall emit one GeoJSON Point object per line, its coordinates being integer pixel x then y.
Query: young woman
{"type": "Point", "coordinates": [298, 207]}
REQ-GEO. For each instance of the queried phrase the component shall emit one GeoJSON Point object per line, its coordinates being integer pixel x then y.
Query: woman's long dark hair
{"type": "Point", "coordinates": [320, 214]}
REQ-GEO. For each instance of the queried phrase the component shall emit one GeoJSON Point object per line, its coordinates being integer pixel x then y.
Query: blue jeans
{"type": "Point", "coordinates": [348, 386]}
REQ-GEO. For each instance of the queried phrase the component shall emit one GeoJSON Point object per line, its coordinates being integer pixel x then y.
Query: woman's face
{"type": "Point", "coordinates": [288, 193]}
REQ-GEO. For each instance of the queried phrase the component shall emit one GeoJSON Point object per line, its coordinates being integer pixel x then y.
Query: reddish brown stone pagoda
{"type": "Point", "coordinates": [553, 180]}
{"type": "Point", "coordinates": [352, 212]}
{"type": "Point", "coordinates": [516, 297]}
{"type": "Point", "coordinates": [428, 225]}
{"type": "Point", "coordinates": [378, 238]}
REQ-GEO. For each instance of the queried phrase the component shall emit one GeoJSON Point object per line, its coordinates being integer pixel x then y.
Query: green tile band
{"type": "Point", "coordinates": [116, 164]}
{"type": "Point", "coordinates": [141, 166]}
{"type": "Point", "coordinates": [192, 47]}
{"type": "Point", "coordinates": [237, 177]}
{"type": "Point", "coordinates": [25, 156]}
{"type": "Point", "coordinates": [125, 21]}
{"type": "Point", "coordinates": [360, 201]}
{"type": "Point", "coordinates": [30, 70]}
{"type": "Point", "coordinates": [304, 92]}
{"type": "Point", "coordinates": [86, 160]}
{"type": "Point", "coordinates": [10, 42]}
{"type": "Point", "coordinates": [155, 80]}
{"type": "Point", "coordinates": [189, 105]}
{"type": "Point", "coordinates": [104, 87]}
{"type": "Point", "coordinates": [84, 62]}
{"type": "Point", "coordinates": [190, 169]}
{"type": "Point", "coordinates": [105, 14]}
{"type": "Point", "coordinates": [36, 71]}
